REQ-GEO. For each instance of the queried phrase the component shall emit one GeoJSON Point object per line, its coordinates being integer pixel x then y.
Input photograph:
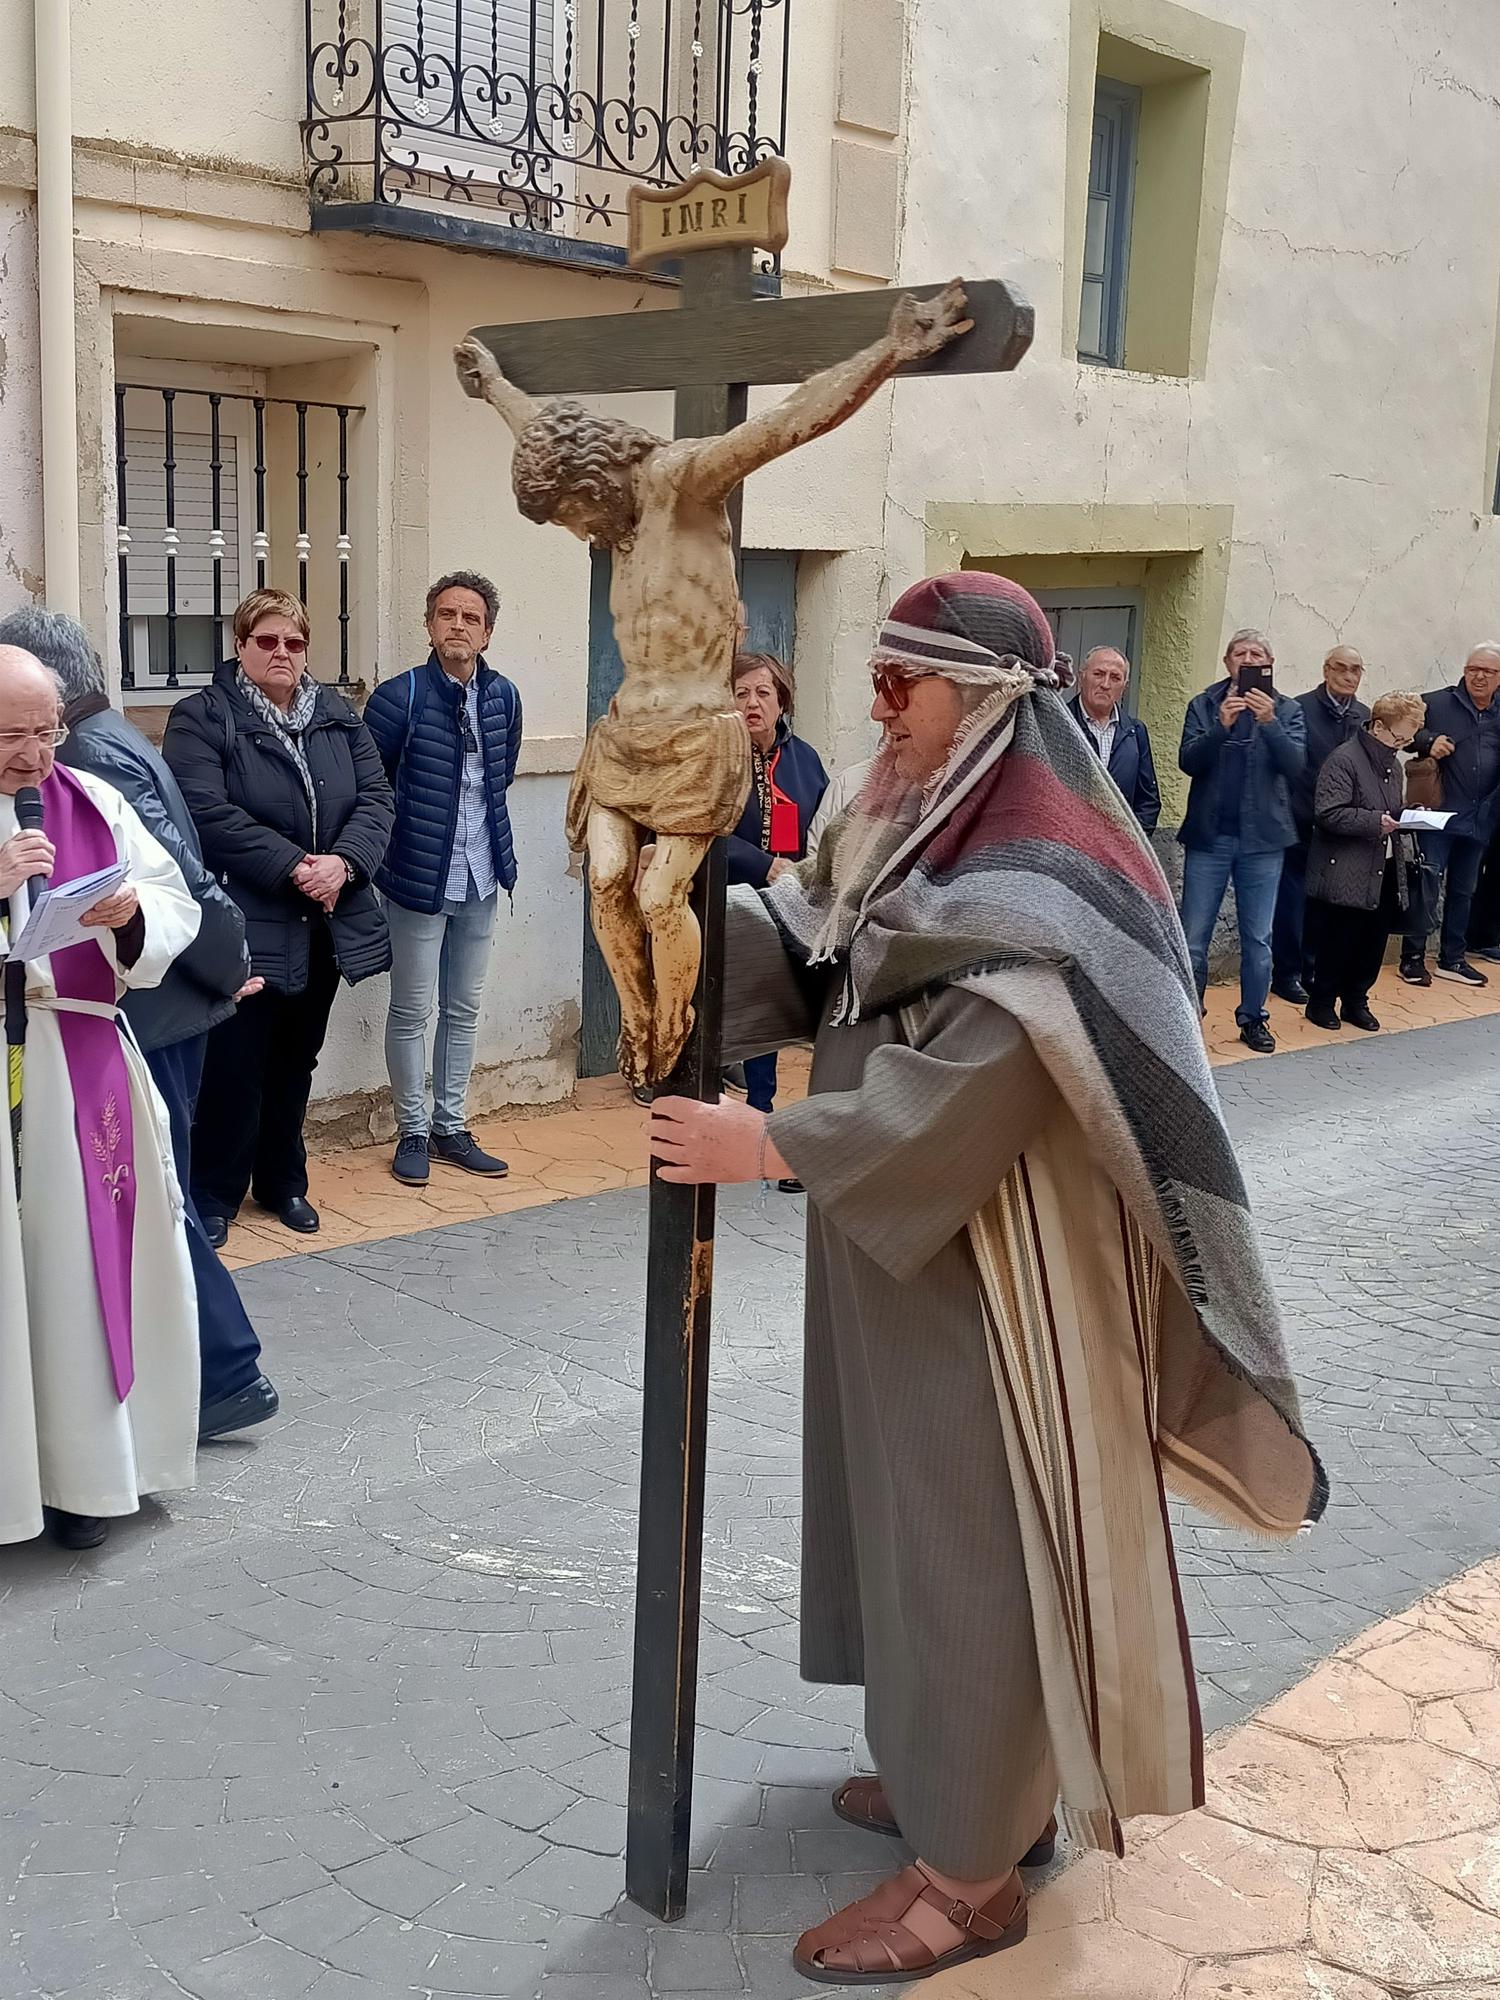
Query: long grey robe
{"type": "Point", "coordinates": [913, 1580]}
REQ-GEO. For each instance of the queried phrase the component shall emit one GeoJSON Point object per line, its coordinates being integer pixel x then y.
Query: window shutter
{"type": "Point", "coordinates": [467, 40]}
{"type": "Point", "coordinates": [146, 511]}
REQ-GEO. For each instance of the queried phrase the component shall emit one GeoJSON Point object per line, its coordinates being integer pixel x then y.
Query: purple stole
{"type": "Point", "coordinates": [95, 1056]}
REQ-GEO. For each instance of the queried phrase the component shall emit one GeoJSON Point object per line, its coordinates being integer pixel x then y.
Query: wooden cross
{"type": "Point", "coordinates": [721, 339]}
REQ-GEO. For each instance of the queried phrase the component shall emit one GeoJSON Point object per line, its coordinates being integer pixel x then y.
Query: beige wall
{"type": "Point", "coordinates": [1322, 464]}
{"type": "Point", "coordinates": [1344, 408]}
{"type": "Point", "coordinates": [20, 406]}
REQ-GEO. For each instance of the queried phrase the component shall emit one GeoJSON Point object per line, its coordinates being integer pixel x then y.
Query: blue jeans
{"type": "Point", "coordinates": [228, 1350]}
{"type": "Point", "coordinates": [450, 951]}
{"type": "Point", "coordinates": [1206, 874]}
{"type": "Point", "coordinates": [760, 1082]}
{"type": "Point", "coordinates": [1459, 858]}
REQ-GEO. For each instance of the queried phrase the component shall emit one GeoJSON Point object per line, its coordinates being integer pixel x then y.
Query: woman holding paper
{"type": "Point", "coordinates": [1357, 889]}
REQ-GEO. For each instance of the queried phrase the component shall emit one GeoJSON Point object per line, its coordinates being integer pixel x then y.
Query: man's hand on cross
{"type": "Point", "coordinates": [923, 327]}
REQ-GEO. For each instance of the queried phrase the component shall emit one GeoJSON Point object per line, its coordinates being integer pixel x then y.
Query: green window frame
{"type": "Point", "coordinates": [1111, 201]}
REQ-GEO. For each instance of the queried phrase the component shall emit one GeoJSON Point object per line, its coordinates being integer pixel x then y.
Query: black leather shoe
{"type": "Point", "coordinates": [247, 1406]}
{"type": "Point", "coordinates": [1322, 1014]}
{"type": "Point", "coordinates": [462, 1149]}
{"type": "Point", "coordinates": [74, 1531]}
{"type": "Point", "coordinates": [410, 1164]}
{"type": "Point", "coordinates": [1361, 1017]}
{"type": "Point", "coordinates": [298, 1214]}
{"type": "Point", "coordinates": [1291, 990]}
{"type": "Point", "coordinates": [1256, 1035]}
{"type": "Point", "coordinates": [216, 1229]}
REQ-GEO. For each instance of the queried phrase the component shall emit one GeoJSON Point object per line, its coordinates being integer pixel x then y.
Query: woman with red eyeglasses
{"type": "Point", "coordinates": [294, 810]}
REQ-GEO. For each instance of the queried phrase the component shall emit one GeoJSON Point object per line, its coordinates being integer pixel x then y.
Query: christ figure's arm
{"type": "Point", "coordinates": [918, 329]}
{"type": "Point", "coordinates": [479, 373]}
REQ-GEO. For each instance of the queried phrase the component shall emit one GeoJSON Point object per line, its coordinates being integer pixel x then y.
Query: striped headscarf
{"type": "Point", "coordinates": [970, 627]}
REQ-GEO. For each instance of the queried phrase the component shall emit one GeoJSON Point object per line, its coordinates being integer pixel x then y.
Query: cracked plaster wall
{"type": "Point", "coordinates": [20, 408]}
{"type": "Point", "coordinates": [1346, 410]}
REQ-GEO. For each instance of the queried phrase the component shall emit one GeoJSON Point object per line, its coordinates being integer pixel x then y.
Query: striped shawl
{"type": "Point", "coordinates": [1135, 1339]}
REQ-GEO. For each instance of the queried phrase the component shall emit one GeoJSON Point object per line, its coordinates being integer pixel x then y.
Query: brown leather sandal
{"type": "Point", "coordinates": [863, 1803]}
{"type": "Point", "coordinates": [867, 1944]}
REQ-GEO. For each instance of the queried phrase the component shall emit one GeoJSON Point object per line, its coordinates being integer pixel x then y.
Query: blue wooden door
{"type": "Point", "coordinates": [769, 587]}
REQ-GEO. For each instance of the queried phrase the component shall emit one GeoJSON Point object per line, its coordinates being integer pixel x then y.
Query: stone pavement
{"type": "Point", "coordinates": [1350, 1849]}
{"type": "Point", "coordinates": [350, 1720]}
{"type": "Point", "coordinates": [596, 1143]}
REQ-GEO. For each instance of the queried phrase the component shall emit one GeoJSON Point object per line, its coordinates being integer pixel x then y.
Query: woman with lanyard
{"type": "Point", "coordinates": [789, 783]}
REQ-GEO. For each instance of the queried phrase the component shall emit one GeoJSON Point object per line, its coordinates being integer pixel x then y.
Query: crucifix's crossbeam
{"type": "Point", "coordinates": [760, 341]}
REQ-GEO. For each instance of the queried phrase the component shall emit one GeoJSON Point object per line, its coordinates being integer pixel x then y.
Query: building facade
{"type": "Point", "coordinates": [1262, 241]}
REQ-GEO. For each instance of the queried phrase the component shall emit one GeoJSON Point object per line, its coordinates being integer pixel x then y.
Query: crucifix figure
{"type": "Point", "coordinates": [669, 766]}
{"type": "Point", "coordinates": [670, 763]}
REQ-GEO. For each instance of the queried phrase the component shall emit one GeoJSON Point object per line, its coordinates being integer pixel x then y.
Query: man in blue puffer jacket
{"type": "Point", "coordinates": [449, 733]}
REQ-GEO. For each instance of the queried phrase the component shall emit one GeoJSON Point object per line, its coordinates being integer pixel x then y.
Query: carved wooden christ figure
{"type": "Point", "coordinates": [669, 765]}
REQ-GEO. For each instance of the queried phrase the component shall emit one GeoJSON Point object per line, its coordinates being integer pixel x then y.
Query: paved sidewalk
{"type": "Point", "coordinates": [349, 1721]}
{"type": "Point", "coordinates": [597, 1143]}
{"type": "Point", "coordinates": [1350, 1850]}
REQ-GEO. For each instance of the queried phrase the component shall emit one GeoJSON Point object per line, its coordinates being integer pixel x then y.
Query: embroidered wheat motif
{"type": "Point", "coordinates": [106, 1141]}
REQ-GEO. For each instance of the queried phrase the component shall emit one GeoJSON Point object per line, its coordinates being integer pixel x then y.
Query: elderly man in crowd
{"type": "Point", "coordinates": [1244, 746]}
{"type": "Point", "coordinates": [1333, 716]}
{"type": "Point", "coordinates": [1122, 742]}
{"type": "Point", "coordinates": [98, 1319]}
{"type": "Point", "coordinates": [1463, 733]}
{"type": "Point", "coordinates": [1028, 1253]}
{"type": "Point", "coordinates": [171, 1021]}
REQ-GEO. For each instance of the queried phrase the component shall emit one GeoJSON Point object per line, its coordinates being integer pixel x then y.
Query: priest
{"type": "Point", "coordinates": [98, 1326]}
{"type": "Point", "coordinates": [1035, 1297]}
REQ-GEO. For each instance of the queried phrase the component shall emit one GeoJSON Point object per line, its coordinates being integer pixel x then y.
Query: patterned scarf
{"type": "Point", "coordinates": [291, 726]}
{"type": "Point", "coordinates": [1134, 1335]}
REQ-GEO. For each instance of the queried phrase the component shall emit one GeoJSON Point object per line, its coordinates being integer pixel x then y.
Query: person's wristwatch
{"type": "Point", "coordinates": [348, 869]}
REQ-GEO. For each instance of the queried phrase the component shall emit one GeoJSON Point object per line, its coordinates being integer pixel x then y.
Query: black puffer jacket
{"type": "Point", "coordinates": [198, 988]}
{"type": "Point", "coordinates": [250, 807]}
{"type": "Point", "coordinates": [1346, 860]}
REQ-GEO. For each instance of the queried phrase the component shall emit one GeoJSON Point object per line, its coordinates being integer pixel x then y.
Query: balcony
{"type": "Point", "coordinates": [520, 125]}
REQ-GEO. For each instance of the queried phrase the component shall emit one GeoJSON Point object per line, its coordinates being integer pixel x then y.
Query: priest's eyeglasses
{"type": "Point", "coordinates": [49, 739]}
{"type": "Point", "coordinates": [894, 689]}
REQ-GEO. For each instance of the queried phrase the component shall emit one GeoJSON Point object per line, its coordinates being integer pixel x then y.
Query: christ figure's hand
{"type": "Point", "coordinates": [920, 327]}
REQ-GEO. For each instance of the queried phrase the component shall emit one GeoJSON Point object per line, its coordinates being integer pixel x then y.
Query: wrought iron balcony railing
{"type": "Point", "coordinates": [538, 113]}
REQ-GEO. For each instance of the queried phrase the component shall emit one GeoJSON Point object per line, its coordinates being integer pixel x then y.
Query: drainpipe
{"type": "Point", "coordinates": [58, 315]}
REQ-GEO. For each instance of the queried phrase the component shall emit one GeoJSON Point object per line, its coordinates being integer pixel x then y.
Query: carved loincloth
{"type": "Point", "coordinates": [672, 776]}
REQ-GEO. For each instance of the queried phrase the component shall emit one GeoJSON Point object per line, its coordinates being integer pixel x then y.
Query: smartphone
{"type": "Point", "coordinates": [1255, 680]}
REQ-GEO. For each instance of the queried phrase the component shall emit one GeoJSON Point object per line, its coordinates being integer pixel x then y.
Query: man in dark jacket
{"type": "Point", "coordinates": [1121, 741]}
{"type": "Point", "coordinates": [449, 733]}
{"type": "Point", "coordinates": [1243, 752]}
{"type": "Point", "coordinates": [170, 1021]}
{"type": "Point", "coordinates": [1332, 716]}
{"type": "Point", "coordinates": [1463, 734]}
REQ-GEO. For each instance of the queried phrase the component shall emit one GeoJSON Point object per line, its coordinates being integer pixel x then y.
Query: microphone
{"type": "Point", "coordinates": [29, 820]}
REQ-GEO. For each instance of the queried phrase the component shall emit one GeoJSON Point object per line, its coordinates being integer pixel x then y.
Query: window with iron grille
{"type": "Point", "coordinates": [216, 494]}
{"type": "Point", "coordinates": [1106, 249]}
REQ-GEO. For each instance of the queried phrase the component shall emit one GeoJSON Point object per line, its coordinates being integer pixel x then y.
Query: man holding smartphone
{"type": "Point", "coordinates": [1243, 745]}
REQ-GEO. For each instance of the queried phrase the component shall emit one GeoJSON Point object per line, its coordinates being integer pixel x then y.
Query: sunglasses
{"type": "Point", "coordinates": [268, 643]}
{"type": "Point", "coordinates": [894, 689]}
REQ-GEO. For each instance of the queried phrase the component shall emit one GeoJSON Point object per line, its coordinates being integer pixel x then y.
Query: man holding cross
{"type": "Point", "coordinates": [1034, 1290]}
